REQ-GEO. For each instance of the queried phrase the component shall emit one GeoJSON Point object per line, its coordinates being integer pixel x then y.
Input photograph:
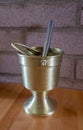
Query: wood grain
{"type": "Point", "coordinates": [69, 114]}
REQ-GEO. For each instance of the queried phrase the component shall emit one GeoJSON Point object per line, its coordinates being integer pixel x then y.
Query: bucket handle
{"type": "Point", "coordinates": [43, 62]}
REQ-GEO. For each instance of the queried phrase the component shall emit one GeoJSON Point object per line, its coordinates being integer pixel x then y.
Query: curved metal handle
{"type": "Point", "coordinates": [43, 62]}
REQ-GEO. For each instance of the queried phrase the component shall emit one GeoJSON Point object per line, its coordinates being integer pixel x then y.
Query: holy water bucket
{"type": "Point", "coordinates": [40, 76]}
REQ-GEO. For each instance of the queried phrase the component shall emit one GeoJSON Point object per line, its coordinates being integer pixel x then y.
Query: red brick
{"type": "Point", "coordinates": [66, 68]}
{"type": "Point", "coordinates": [9, 78]}
{"type": "Point", "coordinates": [9, 64]}
{"type": "Point", "coordinates": [35, 38]}
{"type": "Point", "coordinates": [78, 85]}
{"type": "Point", "coordinates": [70, 41]}
{"type": "Point", "coordinates": [38, 15]}
{"type": "Point", "coordinates": [6, 37]}
{"type": "Point", "coordinates": [79, 71]}
{"type": "Point", "coordinates": [65, 83]}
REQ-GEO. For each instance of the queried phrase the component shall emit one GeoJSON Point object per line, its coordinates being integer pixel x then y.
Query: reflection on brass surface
{"type": "Point", "coordinates": [40, 76]}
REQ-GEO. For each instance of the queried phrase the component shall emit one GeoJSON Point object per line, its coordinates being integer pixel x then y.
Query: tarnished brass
{"type": "Point", "coordinates": [40, 76]}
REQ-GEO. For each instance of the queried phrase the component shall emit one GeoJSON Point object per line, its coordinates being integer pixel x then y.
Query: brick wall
{"type": "Point", "coordinates": [26, 22]}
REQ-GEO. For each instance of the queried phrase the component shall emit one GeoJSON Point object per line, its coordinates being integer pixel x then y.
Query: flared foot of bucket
{"type": "Point", "coordinates": [37, 106]}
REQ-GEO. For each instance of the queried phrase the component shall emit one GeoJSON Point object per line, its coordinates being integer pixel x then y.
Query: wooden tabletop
{"type": "Point", "coordinates": [69, 114]}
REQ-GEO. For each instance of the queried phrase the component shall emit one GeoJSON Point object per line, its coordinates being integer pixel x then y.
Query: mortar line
{"type": "Point", "coordinates": [42, 29]}
{"type": "Point", "coordinates": [24, 3]}
{"type": "Point", "coordinates": [10, 74]}
{"type": "Point", "coordinates": [78, 13]}
{"type": "Point", "coordinates": [75, 68]}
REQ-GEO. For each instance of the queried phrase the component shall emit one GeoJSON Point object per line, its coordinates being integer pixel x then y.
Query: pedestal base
{"type": "Point", "coordinates": [40, 105]}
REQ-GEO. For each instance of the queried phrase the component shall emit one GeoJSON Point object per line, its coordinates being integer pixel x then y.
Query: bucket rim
{"type": "Point", "coordinates": [61, 52]}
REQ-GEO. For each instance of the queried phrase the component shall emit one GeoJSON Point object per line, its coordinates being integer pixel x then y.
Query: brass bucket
{"type": "Point", "coordinates": [40, 76]}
